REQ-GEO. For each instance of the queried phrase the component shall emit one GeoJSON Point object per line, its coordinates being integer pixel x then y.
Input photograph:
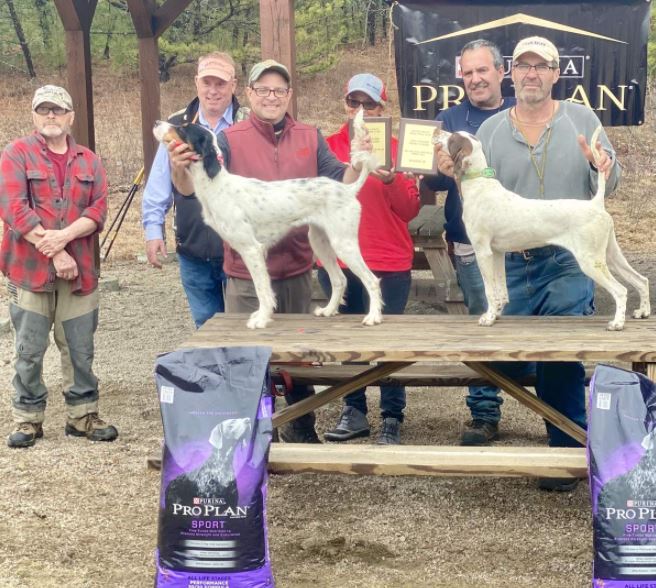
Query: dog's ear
{"type": "Point", "coordinates": [459, 148]}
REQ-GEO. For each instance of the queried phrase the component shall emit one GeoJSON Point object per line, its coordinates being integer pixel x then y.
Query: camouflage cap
{"type": "Point", "coordinates": [53, 94]}
{"type": "Point", "coordinates": [259, 69]}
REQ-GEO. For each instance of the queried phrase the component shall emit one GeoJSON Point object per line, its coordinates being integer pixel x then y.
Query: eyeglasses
{"type": "Point", "coordinates": [263, 92]}
{"type": "Point", "coordinates": [56, 110]}
{"type": "Point", "coordinates": [540, 69]}
{"type": "Point", "coordinates": [368, 105]}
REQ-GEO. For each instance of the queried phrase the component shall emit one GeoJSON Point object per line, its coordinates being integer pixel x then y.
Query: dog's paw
{"type": "Point", "coordinates": [487, 319]}
{"type": "Point", "coordinates": [615, 325]}
{"type": "Point", "coordinates": [258, 321]}
{"type": "Point", "coordinates": [373, 318]}
{"type": "Point", "coordinates": [325, 311]}
{"type": "Point", "coordinates": [641, 313]}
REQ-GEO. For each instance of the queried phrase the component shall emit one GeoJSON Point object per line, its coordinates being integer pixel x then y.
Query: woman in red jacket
{"type": "Point", "coordinates": [389, 201]}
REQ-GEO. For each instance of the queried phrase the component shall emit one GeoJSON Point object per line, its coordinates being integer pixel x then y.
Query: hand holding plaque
{"type": "Point", "coordinates": [416, 149]}
{"type": "Point", "coordinates": [380, 133]}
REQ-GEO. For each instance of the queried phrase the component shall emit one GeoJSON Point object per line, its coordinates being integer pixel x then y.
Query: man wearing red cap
{"type": "Point", "coordinates": [389, 201]}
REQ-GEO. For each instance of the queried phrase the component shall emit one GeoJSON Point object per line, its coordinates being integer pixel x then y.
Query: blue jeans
{"type": "Point", "coordinates": [203, 282]}
{"type": "Point", "coordinates": [484, 402]}
{"type": "Point", "coordinates": [395, 289]}
{"type": "Point", "coordinates": [548, 283]}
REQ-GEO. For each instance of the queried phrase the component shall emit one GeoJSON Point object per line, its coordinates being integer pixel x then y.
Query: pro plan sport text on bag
{"type": "Point", "coordinates": [622, 460]}
{"type": "Point", "coordinates": [216, 411]}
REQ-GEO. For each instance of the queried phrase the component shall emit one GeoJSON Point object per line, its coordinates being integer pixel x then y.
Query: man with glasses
{"type": "Point", "coordinates": [482, 71]}
{"type": "Point", "coordinates": [271, 145]}
{"type": "Point", "coordinates": [199, 248]}
{"type": "Point", "coordinates": [389, 201]}
{"type": "Point", "coordinates": [53, 200]}
{"type": "Point", "coordinates": [539, 149]}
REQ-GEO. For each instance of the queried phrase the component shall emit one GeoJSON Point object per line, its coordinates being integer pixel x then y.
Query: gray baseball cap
{"type": "Point", "coordinates": [53, 94]}
{"type": "Point", "coordinates": [259, 69]}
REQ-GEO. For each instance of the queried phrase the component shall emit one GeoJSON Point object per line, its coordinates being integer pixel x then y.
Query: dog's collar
{"type": "Point", "coordinates": [486, 172]}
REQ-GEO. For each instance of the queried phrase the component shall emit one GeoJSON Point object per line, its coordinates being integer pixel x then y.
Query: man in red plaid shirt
{"type": "Point", "coordinates": [53, 199]}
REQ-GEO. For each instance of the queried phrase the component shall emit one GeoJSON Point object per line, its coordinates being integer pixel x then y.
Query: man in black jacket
{"type": "Point", "coordinates": [199, 248]}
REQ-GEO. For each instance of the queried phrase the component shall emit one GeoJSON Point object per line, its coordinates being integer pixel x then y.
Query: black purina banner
{"type": "Point", "coordinates": [602, 46]}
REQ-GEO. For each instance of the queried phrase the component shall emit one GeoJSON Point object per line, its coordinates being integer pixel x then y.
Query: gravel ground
{"type": "Point", "coordinates": [78, 514]}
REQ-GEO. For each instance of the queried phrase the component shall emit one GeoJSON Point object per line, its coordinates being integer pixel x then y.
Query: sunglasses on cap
{"type": "Point", "coordinates": [367, 105]}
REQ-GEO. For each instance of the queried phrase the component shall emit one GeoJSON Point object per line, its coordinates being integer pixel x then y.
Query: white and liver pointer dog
{"type": "Point", "coordinates": [253, 215]}
{"type": "Point", "coordinates": [498, 220]}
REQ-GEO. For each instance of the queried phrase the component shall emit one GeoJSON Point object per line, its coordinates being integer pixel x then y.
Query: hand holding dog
{"type": "Point", "coordinates": [180, 158]}
{"type": "Point", "coordinates": [444, 161]}
{"type": "Point", "coordinates": [605, 162]}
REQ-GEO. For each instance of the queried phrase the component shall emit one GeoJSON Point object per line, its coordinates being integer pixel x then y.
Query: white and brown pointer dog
{"type": "Point", "coordinates": [498, 221]}
{"type": "Point", "coordinates": [252, 216]}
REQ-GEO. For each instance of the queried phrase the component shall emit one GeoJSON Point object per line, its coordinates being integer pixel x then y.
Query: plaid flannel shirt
{"type": "Point", "coordinates": [29, 195]}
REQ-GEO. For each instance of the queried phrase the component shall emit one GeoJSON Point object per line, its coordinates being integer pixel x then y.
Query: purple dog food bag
{"type": "Point", "coordinates": [216, 411]}
{"type": "Point", "coordinates": [622, 465]}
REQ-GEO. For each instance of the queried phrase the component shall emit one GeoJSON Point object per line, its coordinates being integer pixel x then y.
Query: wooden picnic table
{"type": "Point", "coordinates": [401, 341]}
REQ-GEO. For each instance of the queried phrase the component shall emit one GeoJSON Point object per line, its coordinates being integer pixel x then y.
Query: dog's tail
{"type": "Point", "coordinates": [598, 198]}
{"type": "Point", "coordinates": [364, 160]}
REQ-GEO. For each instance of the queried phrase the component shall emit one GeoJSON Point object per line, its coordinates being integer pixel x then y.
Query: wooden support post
{"type": "Point", "coordinates": [150, 96]}
{"type": "Point", "coordinates": [150, 21]}
{"type": "Point", "coordinates": [76, 16]}
{"type": "Point", "coordinates": [526, 398]}
{"type": "Point", "coordinates": [277, 38]}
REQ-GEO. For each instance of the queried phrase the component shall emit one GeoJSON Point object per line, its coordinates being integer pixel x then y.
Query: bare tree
{"type": "Point", "coordinates": [25, 48]}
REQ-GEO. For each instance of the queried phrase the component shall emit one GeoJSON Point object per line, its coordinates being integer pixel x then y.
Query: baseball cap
{"type": "Point", "coordinates": [216, 66]}
{"type": "Point", "coordinates": [268, 65]}
{"type": "Point", "coordinates": [538, 45]}
{"type": "Point", "coordinates": [53, 94]}
{"type": "Point", "coordinates": [370, 85]}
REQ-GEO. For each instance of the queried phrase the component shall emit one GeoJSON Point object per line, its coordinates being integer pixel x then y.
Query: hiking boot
{"type": "Point", "coordinates": [352, 424]}
{"type": "Point", "coordinates": [25, 435]}
{"type": "Point", "coordinates": [92, 427]}
{"type": "Point", "coordinates": [479, 432]}
{"type": "Point", "coordinates": [296, 432]}
{"type": "Point", "coordinates": [558, 484]}
{"type": "Point", "coordinates": [390, 433]}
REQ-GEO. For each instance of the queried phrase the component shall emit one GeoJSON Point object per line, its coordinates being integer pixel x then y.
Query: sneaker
{"type": "Point", "coordinates": [352, 424]}
{"type": "Point", "coordinates": [558, 484]}
{"type": "Point", "coordinates": [92, 427]}
{"type": "Point", "coordinates": [390, 433]}
{"type": "Point", "coordinates": [298, 433]}
{"type": "Point", "coordinates": [479, 432]}
{"type": "Point", "coordinates": [25, 435]}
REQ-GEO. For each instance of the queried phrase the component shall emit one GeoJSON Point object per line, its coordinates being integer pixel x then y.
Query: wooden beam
{"type": "Point", "coordinates": [325, 396]}
{"type": "Point", "coordinates": [150, 96]}
{"type": "Point", "coordinates": [166, 14]}
{"type": "Point", "coordinates": [402, 460]}
{"type": "Point", "coordinates": [76, 16]}
{"type": "Point", "coordinates": [142, 14]}
{"type": "Point", "coordinates": [78, 54]}
{"type": "Point", "coordinates": [277, 38]}
{"type": "Point", "coordinates": [537, 405]}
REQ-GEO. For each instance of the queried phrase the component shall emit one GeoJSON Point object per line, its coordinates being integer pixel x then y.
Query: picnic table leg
{"type": "Point", "coordinates": [537, 405]}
